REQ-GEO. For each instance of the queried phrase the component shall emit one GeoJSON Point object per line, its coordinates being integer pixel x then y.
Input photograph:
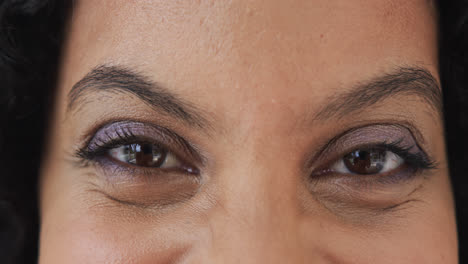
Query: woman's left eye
{"type": "Point", "coordinates": [145, 155]}
{"type": "Point", "coordinates": [368, 162]}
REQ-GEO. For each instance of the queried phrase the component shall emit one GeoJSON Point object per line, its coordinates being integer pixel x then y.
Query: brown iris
{"type": "Point", "coordinates": [146, 155]}
{"type": "Point", "coordinates": [367, 161]}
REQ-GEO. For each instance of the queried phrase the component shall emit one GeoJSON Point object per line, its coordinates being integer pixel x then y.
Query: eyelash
{"type": "Point", "coordinates": [414, 162]}
{"type": "Point", "coordinates": [99, 154]}
{"type": "Point", "coordinates": [418, 161]}
{"type": "Point", "coordinates": [101, 148]}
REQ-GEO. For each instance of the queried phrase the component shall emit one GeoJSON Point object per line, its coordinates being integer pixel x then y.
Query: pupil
{"type": "Point", "coordinates": [365, 161]}
{"type": "Point", "coordinates": [147, 155]}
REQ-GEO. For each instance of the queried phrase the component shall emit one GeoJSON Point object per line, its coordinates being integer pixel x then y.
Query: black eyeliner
{"type": "Point", "coordinates": [418, 160]}
{"type": "Point", "coordinates": [121, 133]}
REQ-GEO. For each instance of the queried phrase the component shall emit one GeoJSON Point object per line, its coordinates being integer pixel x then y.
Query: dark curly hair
{"type": "Point", "coordinates": [31, 36]}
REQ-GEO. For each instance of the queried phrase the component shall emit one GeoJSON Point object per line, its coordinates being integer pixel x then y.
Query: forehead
{"type": "Point", "coordinates": [244, 49]}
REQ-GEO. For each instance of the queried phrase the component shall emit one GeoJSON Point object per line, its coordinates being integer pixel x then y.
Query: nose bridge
{"type": "Point", "coordinates": [253, 234]}
{"type": "Point", "coordinates": [257, 214]}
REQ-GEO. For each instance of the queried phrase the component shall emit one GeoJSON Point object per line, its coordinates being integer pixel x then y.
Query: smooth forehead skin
{"type": "Point", "coordinates": [259, 72]}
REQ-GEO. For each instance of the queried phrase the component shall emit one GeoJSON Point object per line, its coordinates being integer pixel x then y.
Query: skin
{"type": "Point", "coordinates": [258, 72]}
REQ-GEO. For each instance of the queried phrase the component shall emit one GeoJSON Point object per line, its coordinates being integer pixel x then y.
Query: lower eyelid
{"type": "Point", "coordinates": [371, 188]}
{"type": "Point", "coordinates": [364, 194]}
{"type": "Point", "coordinates": [151, 193]}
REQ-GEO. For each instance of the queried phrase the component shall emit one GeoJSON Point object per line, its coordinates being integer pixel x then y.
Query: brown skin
{"type": "Point", "coordinates": [259, 71]}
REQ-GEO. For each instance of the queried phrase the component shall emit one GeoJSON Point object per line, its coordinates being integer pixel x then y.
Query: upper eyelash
{"type": "Point", "coordinates": [419, 160]}
{"type": "Point", "coordinates": [101, 147]}
{"type": "Point", "coordinates": [87, 156]}
{"type": "Point", "coordinates": [124, 135]}
{"type": "Point", "coordinates": [96, 147]}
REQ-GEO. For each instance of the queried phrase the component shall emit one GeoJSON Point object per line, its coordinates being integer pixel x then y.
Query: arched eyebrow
{"type": "Point", "coordinates": [402, 81]}
{"type": "Point", "coordinates": [406, 80]}
{"type": "Point", "coordinates": [121, 79]}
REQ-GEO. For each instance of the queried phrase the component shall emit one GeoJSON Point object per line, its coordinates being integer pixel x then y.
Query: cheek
{"type": "Point", "coordinates": [80, 226]}
{"type": "Point", "coordinates": [90, 240]}
{"type": "Point", "coordinates": [429, 242]}
{"type": "Point", "coordinates": [422, 232]}
{"type": "Point", "coordinates": [103, 236]}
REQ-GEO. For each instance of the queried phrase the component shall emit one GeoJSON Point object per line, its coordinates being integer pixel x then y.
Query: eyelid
{"type": "Point", "coordinates": [370, 135]}
{"type": "Point", "coordinates": [111, 134]}
{"type": "Point", "coordinates": [374, 192]}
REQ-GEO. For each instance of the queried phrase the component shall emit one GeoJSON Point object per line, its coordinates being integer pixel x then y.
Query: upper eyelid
{"type": "Point", "coordinates": [329, 161]}
{"type": "Point", "coordinates": [349, 133]}
{"type": "Point", "coordinates": [160, 135]}
{"type": "Point", "coordinates": [194, 152]}
{"type": "Point", "coordinates": [332, 146]}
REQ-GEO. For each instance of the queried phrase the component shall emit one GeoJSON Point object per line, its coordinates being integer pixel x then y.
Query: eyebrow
{"type": "Point", "coordinates": [121, 79]}
{"type": "Point", "coordinates": [405, 80]}
{"type": "Point", "coordinates": [402, 81]}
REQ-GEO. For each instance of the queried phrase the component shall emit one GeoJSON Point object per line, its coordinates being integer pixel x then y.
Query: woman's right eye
{"type": "Point", "coordinates": [146, 155]}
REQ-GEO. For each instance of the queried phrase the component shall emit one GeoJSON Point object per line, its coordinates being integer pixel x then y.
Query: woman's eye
{"type": "Point", "coordinates": [145, 155]}
{"type": "Point", "coordinates": [368, 161]}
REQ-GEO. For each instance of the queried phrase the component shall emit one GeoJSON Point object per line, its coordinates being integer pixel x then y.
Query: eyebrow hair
{"type": "Point", "coordinates": [121, 79]}
{"type": "Point", "coordinates": [402, 81]}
